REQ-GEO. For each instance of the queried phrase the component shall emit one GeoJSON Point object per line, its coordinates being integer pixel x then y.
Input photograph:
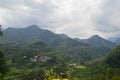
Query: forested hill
{"type": "Point", "coordinates": [117, 41]}
{"type": "Point", "coordinates": [96, 40]}
{"type": "Point", "coordinates": [113, 58]}
{"type": "Point", "coordinates": [32, 50]}
{"type": "Point", "coordinates": [49, 37]}
{"type": "Point", "coordinates": [109, 68]}
{"type": "Point", "coordinates": [78, 51]}
{"type": "Point", "coordinates": [32, 32]}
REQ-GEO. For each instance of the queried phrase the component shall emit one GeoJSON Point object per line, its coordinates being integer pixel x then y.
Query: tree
{"type": "Point", "coordinates": [36, 74]}
{"type": "Point", "coordinates": [1, 31]}
{"type": "Point", "coordinates": [3, 66]}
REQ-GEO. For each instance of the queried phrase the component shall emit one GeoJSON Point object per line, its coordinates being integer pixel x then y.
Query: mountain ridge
{"type": "Point", "coordinates": [76, 50]}
{"type": "Point", "coordinates": [96, 40]}
{"type": "Point", "coordinates": [33, 31]}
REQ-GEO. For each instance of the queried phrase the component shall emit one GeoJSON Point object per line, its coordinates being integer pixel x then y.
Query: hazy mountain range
{"type": "Point", "coordinates": [97, 41]}
{"type": "Point", "coordinates": [34, 32]}
{"type": "Point", "coordinates": [80, 50]}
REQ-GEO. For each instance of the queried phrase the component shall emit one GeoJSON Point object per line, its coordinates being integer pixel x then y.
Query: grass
{"type": "Point", "coordinates": [60, 79]}
{"type": "Point", "coordinates": [80, 67]}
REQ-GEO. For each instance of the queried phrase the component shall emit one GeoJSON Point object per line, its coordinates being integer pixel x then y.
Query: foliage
{"type": "Point", "coordinates": [109, 68]}
{"type": "Point", "coordinates": [113, 59]}
{"type": "Point", "coordinates": [68, 58]}
{"type": "Point", "coordinates": [3, 65]}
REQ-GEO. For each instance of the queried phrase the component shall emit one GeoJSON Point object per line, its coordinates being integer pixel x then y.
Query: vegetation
{"type": "Point", "coordinates": [38, 54]}
{"type": "Point", "coordinates": [109, 68]}
{"type": "Point", "coordinates": [3, 66]}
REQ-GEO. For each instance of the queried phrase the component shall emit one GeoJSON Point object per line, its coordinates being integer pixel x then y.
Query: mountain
{"type": "Point", "coordinates": [32, 32]}
{"type": "Point", "coordinates": [64, 36]}
{"type": "Point", "coordinates": [23, 55]}
{"type": "Point", "coordinates": [117, 41]}
{"type": "Point", "coordinates": [97, 41]}
{"type": "Point", "coordinates": [113, 58]}
{"type": "Point", "coordinates": [32, 48]}
{"type": "Point", "coordinates": [35, 33]}
{"type": "Point", "coordinates": [78, 51]}
{"type": "Point", "coordinates": [82, 53]}
{"type": "Point", "coordinates": [109, 67]}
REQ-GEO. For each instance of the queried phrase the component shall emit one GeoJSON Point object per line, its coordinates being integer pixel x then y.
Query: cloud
{"type": "Point", "coordinates": [109, 21]}
{"type": "Point", "coordinates": [77, 18]}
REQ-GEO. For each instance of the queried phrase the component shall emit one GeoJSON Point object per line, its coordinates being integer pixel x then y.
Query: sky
{"type": "Point", "coordinates": [76, 18]}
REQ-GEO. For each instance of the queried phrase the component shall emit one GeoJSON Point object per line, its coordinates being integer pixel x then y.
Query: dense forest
{"type": "Point", "coordinates": [32, 53]}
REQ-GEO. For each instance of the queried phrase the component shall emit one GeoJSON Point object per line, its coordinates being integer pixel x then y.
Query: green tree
{"type": "Point", "coordinates": [36, 74]}
{"type": "Point", "coordinates": [3, 66]}
{"type": "Point", "coordinates": [1, 31]}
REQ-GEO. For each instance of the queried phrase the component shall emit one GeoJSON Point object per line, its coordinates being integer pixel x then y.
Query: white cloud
{"type": "Point", "coordinates": [39, 1]}
{"type": "Point", "coordinates": [108, 21]}
{"type": "Point", "coordinates": [77, 18]}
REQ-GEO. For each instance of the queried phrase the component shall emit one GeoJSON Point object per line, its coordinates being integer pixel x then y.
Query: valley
{"type": "Point", "coordinates": [33, 53]}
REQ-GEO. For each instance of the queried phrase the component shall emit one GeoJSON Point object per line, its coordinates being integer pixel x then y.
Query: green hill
{"type": "Point", "coordinates": [77, 51]}
{"type": "Point", "coordinates": [97, 41]}
{"type": "Point", "coordinates": [113, 59]}
{"type": "Point", "coordinates": [109, 68]}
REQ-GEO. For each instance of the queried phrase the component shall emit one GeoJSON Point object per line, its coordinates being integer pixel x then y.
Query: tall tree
{"type": "Point", "coordinates": [3, 66]}
{"type": "Point", "coordinates": [1, 31]}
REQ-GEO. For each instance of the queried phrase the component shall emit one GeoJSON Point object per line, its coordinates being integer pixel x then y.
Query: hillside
{"type": "Point", "coordinates": [32, 32]}
{"type": "Point", "coordinates": [82, 53]}
{"type": "Point", "coordinates": [117, 41]}
{"type": "Point", "coordinates": [78, 51]}
{"type": "Point", "coordinates": [109, 68]}
{"type": "Point", "coordinates": [98, 41]}
{"type": "Point", "coordinates": [113, 59]}
{"type": "Point", "coordinates": [32, 50]}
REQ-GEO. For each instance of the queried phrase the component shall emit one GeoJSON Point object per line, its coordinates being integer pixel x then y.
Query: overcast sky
{"type": "Point", "coordinates": [76, 18]}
